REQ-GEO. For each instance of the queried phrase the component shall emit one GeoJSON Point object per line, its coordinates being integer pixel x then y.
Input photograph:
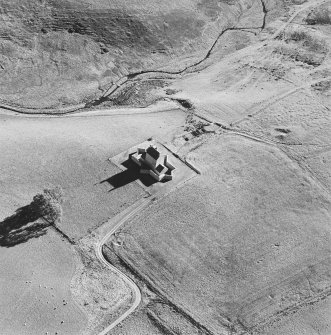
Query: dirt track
{"type": "Point", "coordinates": [116, 223]}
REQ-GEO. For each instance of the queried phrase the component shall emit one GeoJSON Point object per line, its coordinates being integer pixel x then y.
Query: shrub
{"type": "Point", "coordinates": [306, 40]}
{"type": "Point", "coordinates": [321, 16]}
{"type": "Point", "coordinates": [194, 126]}
{"type": "Point", "coordinates": [297, 36]}
{"type": "Point", "coordinates": [48, 204]}
{"type": "Point", "coordinates": [300, 55]}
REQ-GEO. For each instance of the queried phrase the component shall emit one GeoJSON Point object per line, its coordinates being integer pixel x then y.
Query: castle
{"type": "Point", "coordinates": [153, 163]}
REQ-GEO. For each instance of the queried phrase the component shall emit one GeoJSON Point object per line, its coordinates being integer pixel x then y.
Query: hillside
{"type": "Point", "coordinates": [60, 53]}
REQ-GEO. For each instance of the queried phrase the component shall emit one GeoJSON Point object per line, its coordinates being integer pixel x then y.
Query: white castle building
{"type": "Point", "coordinates": [153, 163]}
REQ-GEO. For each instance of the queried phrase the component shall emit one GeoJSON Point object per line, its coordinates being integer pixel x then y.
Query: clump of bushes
{"type": "Point", "coordinates": [302, 47]}
{"type": "Point", "coordinates": [296, 35]}
{"type": "Point", "coordinates": [323, 86]}
{"type": "Point", "coordinates": [320, 16]}
{"type": "Point", "coordinates": [194, 126]}
{"type": "Point", "coordinates": [306, 40]}
{"type": "Point", "coordinates": [48, 204]}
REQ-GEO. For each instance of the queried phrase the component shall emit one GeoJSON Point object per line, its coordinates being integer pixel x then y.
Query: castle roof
{"type": "Point", "coordinates": [153, 152]}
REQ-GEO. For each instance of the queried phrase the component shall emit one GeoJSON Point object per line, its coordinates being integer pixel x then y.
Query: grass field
{"type": "Point", "coordinates": [239, 244]}
{"type": "Point", "coordinates": [301, 123]}
{"type": "Point", "coordinates": [310, 320]}
{"type": "Point", "coordinates": [73, 153]}
{"type": "Point", "coordinates": [34, 290]}
{"type": "Point", "coordinates": [299, 118]}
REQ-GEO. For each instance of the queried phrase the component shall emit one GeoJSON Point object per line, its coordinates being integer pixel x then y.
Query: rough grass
{"type": "Point", "coordinates": [231, 247]}
{"type": "Point", "coordinates": [136, 94]}
{"type": "Point", "coordinates": [34, 290]}
{"type": "Point", "coordinates": [64, 52]}
{"type": "Point", "coordinates": [307, 40]}
{"type": "Point", "coordinates": [320, 16]}
{"type": "Point", "coordinates": [72, 152]}
{"type": "Point", "coordinates": [302, 46]}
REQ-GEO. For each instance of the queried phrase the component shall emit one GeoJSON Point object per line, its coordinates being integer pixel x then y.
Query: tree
{"type": "Point", "coordinates": [48, 204]}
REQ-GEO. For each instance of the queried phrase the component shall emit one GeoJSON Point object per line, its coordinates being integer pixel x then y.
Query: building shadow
{"type": "Point", "coordinates": [21, 227]}
{"type": "Point", "coordinates": [131, 174]}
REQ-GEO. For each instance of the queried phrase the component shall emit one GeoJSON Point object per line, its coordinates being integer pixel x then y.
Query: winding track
{"type": "Point", "coordinates": [131, 211]}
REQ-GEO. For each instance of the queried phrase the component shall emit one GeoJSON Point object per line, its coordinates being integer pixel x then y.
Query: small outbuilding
{"type": "Point", "coordinates": [153, 163]}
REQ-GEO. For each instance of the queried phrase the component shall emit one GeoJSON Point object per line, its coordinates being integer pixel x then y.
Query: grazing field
{"type": "Point", "coordinates": [238, 245]}
{"type": "Point", "coordinates": [34, 290]}
{"type": "Point", "coordinates": [310, 320]}
{"type": "Point", "coordinates": [71, 152]}
{"type": "Point", "coordinates": [320, 162]}
{"type": "Point", "coordinates": [299, 119]}
{"type": "Point", "coordinates": [300, 123]}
